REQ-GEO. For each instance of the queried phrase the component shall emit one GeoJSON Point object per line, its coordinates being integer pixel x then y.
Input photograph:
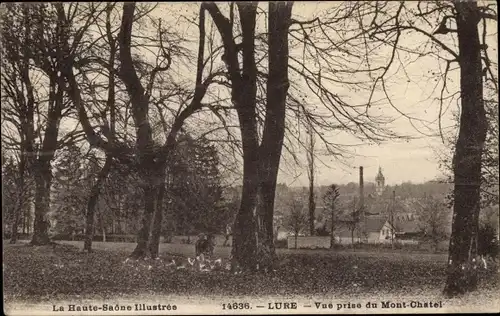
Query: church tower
{"type": "Point", "coordinates": [380, 182]}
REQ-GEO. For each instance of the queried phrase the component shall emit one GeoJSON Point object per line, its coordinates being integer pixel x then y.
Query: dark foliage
{"type": "Point", "coordinates": [322, 231]}
{"type": "Point", "coordinates": [487, 243]}
{"type": "Point", "coordinates": [109, 238]}
{"type": "Point", "coordinates": [194, 174]}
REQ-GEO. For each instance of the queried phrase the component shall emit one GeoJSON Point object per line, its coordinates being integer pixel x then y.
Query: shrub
{"type": "Point", "coordinates": [109, 238]}
{"type": "Point", "coordinates": [283, 243]}
{"type": "Point", "coordinates": [487, 241]}
{"type": "Point", "coordinates": [20, 236]}
{"type": "Point", "coordinates": [168, 239]}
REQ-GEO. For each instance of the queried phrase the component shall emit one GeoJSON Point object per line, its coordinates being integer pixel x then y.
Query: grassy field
{"type": "Point", "coordinates": [187, 250]}
{"type": "Point", "coordinates": [45, 274]}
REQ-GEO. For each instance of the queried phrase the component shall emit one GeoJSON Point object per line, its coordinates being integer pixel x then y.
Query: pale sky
{"type": "Point", "coordinates": [414, 160]}
{"type": "Point", "coordinates": [412, 92]}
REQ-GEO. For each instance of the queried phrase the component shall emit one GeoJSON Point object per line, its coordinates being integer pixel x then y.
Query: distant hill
{"type": "Point", "coordinates": [348, 192]}
{"type": "Point", "coordinates": [403, 191]}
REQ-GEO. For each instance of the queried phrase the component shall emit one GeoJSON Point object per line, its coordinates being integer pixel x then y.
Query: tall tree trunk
{"type": "Point", "coordinates": [265, 210]}
{"type": "Point", "coordinates": [27, 130]}
{"type": "Point", "coordinates": [312, 206]}
{"type": "Point", "coordinates": [20, 200]}
{"type": "Point", "coordinates": [462, 268]}
{"type": "Point", "coordinates": [28, 219]}
{"type": "Point", "coordinates": [43, 180]}
{"type": "Point", "coordinates": [42, 169]}
{"type": "Point", "coordinates": [310, 174]}
{"type": "Point", "coordinates": [244, 91]}
{"type": "Point", "coordinates": [253, 227]}
{"type": "Point", "coordinates": [274, 129]}
{"type": "Point", "coordinates": [16, 220]}
{"type": "Point", "coordinates": [170, 144]}
{"type": "Point", "coordinates": [103, 229]}
{"type": "Point", "coordinates": [154, 247]}
{"type": "Point", "coordinates": [143, 236]}
{"type": "Point", "coordinates": [145, 145]}
{"type": "Point", "coordinates": [104, 172]}
{"type": "Point", "coordinates": [244, 243]}
{"type": "Point", "coordinates": [92, 203]}
{"type": "Point", "coordinates": [352, 238]}
{"type": "Point", "coordinates": [332, 236]}
{"type": "Point", "coordinates": [24, 221]}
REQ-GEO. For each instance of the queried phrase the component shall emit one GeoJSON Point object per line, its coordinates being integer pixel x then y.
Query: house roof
{"type": "Point", "coordinates": [407, 226]}
{"type": "Point", "coordinates": [345, 232]}
{"type": "Point", "coordinates": [375, 224]}
{"type": "Point", "coordinates": [378, 211]}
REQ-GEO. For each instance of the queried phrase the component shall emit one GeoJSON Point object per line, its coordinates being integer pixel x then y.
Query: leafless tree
{"type": "Point", "coordinates": [433, 217]}
{"type": "Point", "coordinates": [330, 202]}
{"type": "Point", "coordinates": [147, 155]}
{"type": "Point", "coordinates": [311, 168]}
{"type": "Point", "coordinates": [320, 68]}
{"type": "Point", "coordinates": [35, 57]}
{"type": "Point", "coordinates": [489, 164]}
{"type": "Point", "coordinates": [18, 104]}
{"type": "Point", "coordinates": [297, 220]}
{"type": "Point", "coordinates": [253, 246]}
{"type": "Point", "coordinates": [451, 33]}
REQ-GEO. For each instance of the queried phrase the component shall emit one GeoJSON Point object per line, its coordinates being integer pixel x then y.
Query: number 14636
{"type": "Point", "coordinates": [236, 306]}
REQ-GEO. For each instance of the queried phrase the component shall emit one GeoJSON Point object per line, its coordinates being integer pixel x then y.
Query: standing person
{"type": "Point", "coordinates": [205, 245]}
{"type": "Point", "coordinates": [227, 235]}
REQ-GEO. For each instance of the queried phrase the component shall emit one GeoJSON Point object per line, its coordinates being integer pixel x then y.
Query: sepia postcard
{"type": "Point", "coordinates": [241, 158]}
